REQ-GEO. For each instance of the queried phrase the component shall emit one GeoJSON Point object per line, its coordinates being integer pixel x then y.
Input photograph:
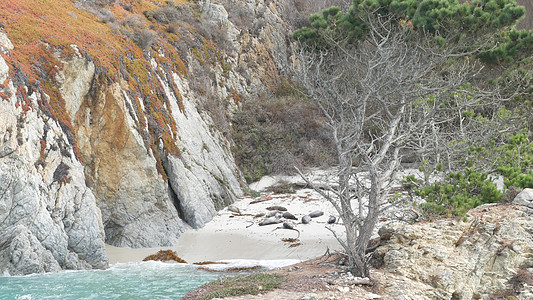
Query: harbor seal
{"type": "Point", "coordinates": [274, 213]}
{"type": "Point", "coordinates": [270, 221]}
{"type": "Point", "coordinates": [234, 209]}
{"type": "Point", "coordinates": [306, 219]}
{"type": "Point", "coordinates": [290, 227]}
{"type": "Point", "coordinates": [277, 207]}
{"type": "Point", "coordinates": [316, 213]}
{"type": "Point", "coordinates": [332, 219]}
{"type": "Point", "coordinates": [288, 215]}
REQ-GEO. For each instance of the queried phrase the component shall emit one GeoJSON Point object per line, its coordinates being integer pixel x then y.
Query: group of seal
{"type": "Point", "coordinates": [277, 214]}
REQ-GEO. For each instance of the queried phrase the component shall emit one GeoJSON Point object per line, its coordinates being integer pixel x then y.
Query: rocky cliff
{"type": "Point", "coordinates": [48, 217]}
{"type": "Point", "coordinates": [108, 129]}
{"type": "Point", "coordinates": [490, 256]}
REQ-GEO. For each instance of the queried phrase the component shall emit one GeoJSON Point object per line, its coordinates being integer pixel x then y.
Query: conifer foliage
{"type": "Point", "coordinates": [438, 17]}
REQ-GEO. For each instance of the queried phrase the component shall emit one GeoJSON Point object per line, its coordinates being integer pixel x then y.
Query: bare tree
{"type": "Point", "coordinates": [396, 92]}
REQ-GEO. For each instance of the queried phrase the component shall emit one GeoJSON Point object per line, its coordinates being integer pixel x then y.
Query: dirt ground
{"type": "Point", "coordinates": [320, 278]}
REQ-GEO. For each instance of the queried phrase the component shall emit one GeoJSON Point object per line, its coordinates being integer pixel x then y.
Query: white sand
{"type": "Point", "coordinates": [227, 236]}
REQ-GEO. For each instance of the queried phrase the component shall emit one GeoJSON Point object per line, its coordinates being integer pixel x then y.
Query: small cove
{"type": "Point", "coordinates": [134, 280]}
{"type": "Point", "coordinates": [147, 280]}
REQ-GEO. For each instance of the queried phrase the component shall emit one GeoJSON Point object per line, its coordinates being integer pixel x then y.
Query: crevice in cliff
{"type": "Point", "coordinates": [174, 198]}
{"type": "Point", "coordinates": [176, 201]}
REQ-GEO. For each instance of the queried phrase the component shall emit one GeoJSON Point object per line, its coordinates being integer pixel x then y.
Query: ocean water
{"type": "Point", "coordinates": [146, 280]}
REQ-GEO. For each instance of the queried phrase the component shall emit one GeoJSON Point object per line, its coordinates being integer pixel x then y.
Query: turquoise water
{"type": "Point", "coordinates": [147, 280]}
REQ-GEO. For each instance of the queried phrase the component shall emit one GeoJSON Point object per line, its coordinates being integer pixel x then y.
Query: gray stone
{"type": "Point", "coordinates": [48, 220]}
{"type": "Point", "coordinates": [524, 198]}
{"type": "Point", "coordinates": [6, 151]}
{"type": "Point", "coordinates": [4, 69]}
{"type": "Point", "coordinates": [5, 42]}
{"type": "Point", "coordinates": [22, 253]}
{"type": "Point", "coordinates": [309, 296]}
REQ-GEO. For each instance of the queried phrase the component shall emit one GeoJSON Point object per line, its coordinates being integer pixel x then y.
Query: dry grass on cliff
{"type": "Point", "coordinates": [274, 134]}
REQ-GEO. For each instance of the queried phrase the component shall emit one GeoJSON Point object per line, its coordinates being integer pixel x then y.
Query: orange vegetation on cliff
{"type": "Point", "coordinates": [43, 33]}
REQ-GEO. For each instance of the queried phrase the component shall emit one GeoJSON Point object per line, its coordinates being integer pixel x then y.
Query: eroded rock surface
{"type": "Point", "coordinates": [449, 259]}
{"type": "Point", "coordinates": [48, 217]}
{"type": "Point", "coordinates": [137, 210]}
{"type": "Point", "coordinates": [525, 199]}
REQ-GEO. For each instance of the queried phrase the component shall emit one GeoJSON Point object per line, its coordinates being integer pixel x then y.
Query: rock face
{"type": "Point", "coordinates": [490, 255]}
{"type": "Point", "coordinates": [137, 210]}
{"type": "Point", "coordinates": [86, 157]}
{"type": "Point", "coordinates": [48, 217]}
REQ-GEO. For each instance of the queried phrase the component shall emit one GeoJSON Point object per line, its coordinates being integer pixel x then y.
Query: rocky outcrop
{"type": "Point", "coordinates": [48, 217]}
{"type": "Point", "coordinates": [258, 34]}
{"type": "Point", "coordinates": [86, 157]}
{"type": "Point", "coordinates": [490, 255]}
{"type": "Point", "coordinates": [137, 210]}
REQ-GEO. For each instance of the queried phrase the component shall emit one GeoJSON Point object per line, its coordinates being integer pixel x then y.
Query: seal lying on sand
{"type": "Point", "coordinates": [316, 213]}
{"type": "Point", "coordinates": [288, 215]}
{"type": "Point", "coordinates": [270, 221]}
{"type": "Point", "coordinates": [274, 213]}
{"type": "Point", "coordinates": [277, 207]}
{"type": "Point", "coordinates": [332, 219]}
{"type": "Point", "coordinates": [290, 227]}
{"type": "Point", "coordinates": [234, 209]}
{"type": "Point", "coordinates": [306, 219]}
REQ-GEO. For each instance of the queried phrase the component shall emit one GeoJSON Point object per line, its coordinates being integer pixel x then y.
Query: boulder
{"type": "Point", "coordinates": [525, 198]}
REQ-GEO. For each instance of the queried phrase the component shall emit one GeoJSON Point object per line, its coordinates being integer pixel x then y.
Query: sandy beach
{"type": "Point", "coordinates": [232, 235]}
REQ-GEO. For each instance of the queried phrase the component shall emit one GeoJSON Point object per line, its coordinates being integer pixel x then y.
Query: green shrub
{"type": "Point", "coordinates": [466, 189]}
{"type": "Point", "coordinates": [515, 161]}
{"type": "Point", "coordinates": [459, 193]}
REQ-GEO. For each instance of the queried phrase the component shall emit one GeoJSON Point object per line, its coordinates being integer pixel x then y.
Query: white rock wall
{"type": "Point", "coordinates": [48, 217]}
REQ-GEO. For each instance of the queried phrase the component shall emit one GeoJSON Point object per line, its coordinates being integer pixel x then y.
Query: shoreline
{"type": "Point", "coordinates": [232, 235]}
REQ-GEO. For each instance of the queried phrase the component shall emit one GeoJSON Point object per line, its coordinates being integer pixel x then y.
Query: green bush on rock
{"type": "Point", "coordinates": [471, 187]}
{"type": "Point", "coordinates": [459, 193]}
